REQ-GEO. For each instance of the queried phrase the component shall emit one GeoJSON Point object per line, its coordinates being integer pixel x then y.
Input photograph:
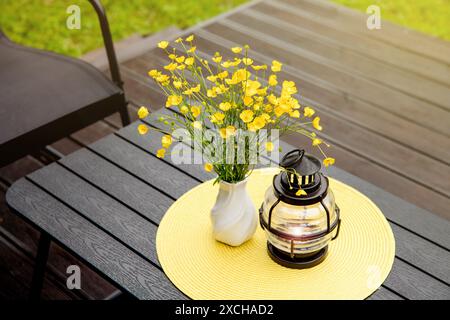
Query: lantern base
{"type": "Point", "coordinates": [299, 261]}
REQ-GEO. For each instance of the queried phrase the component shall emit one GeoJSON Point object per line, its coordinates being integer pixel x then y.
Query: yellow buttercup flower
{"type": "Point", "coordinates": [248, 100]}
{"type": "Point", "coordinates": [259, 122]}
{"type": "Point", "coordinates": [239, 76]}
{"type": "Point", "coordinates": [223, 133]}
{"type": "Point", "coordinates": [172, 56]}
{"type": "Point", "coordinates": [212, 78]}
{"type": "Point", "coordinates": [184, 109]}
{"type": "Point", "coordinates": [177, 84]}
{"type": "Point", "coordinates": [179, 40]}
{"type": "Point", "coordinates": [300, 192]}
{"type": "Point", "coordinates": [278, 111]}
{"type": "Point", "coordinates": [265, 116]}
{"type": "Point", "coordinates": [288, 88]}
{"type": "Point", "coordinates": [316, 142]}
{"type": "Point", "coordinates": [180, 59]}
{"type": "Point", "coordinates": [217, 117]}
{"type": "Point", "coordinates": [208, 167]}
{"type": "Point", "coordinates": [227, 132]}
{"type": "Point", "coordinates": [197, 124]}
{"type": "Point", "coordinates": [222, 75]}
{"type": "Point", "coordinates": [162, 78]}
{"type": "Point", "coordinates": [261, 67]}
{"type": "Point", "coordinates": [171, 66]}
{"type": "Point", "coordinates": [269, 146]}
{"type": "Point", "coordinates": [161, 153]}
{"type": "Point", "coordinates": [328, 161]}
{"type": "Point", "coordinates": [189, 61]}
{"type": "Point", "coordinates": [276, 66]}
{"type": "Point", "coordinates": [192, 49]}
{"type": "Point", "coordinates": [246, 116]}
{"type": "Point", "coordinates": [272, 99]}
{"type": "Point", "coordinates": [217, 59]}
{"type": "Point", "coordinates": [268, 108]}
{"type": "Point", "coordinates": [181, 67]}
{"type": "Point", "coordinates": [251, 87]}
{"type": "Point", "coordinates": [316, 123]}
{"type": "Point", "coordinates": [190, 38]}
{"type": "Point", "coordinates": [196, 110]}
{"type": "Point", "coordinates": [273, 80]}
{"type": "Point", "coordinates": [173, 100]}
{"type": "Point", "coordinates": [226, 64]}
{"type": "Point", "coordinates": [308, 112]}
{"type": "Point", "coordinates": [251, 127]}
{"type": "Point", "coordinates": [211, 93]}
{"type": "Point", "coordinates": [262, 92]}
{"type": "Point", "coordinates": [236, 49]}
{"type": "Point", "coordinates": [196, 88]}
{"type": "Point", "coordinates": [142, 112]}
{"type": "Point", "coordinates": [294, 114]}
{"type": "Point", "coordinates": [153, 73]}
{"type": "Point", "coordinates": [142, 129]}
{"type": "Point", "coordinates": [225, 106]}
{"type": "Point", "coordinates": [247, 61]}
{"type": "Point", "coordinates": [188, 92]}
{"type": "Point", "coordinates": [236, 62]}
{"type": "Point", "coordinates": [256, 106]}
{"type": "Point", "coordinates": [166, 141]}
{"type": "Point", "coordinates": [163, 44]}
{"type": "Point", "coordinates": [231, 130]}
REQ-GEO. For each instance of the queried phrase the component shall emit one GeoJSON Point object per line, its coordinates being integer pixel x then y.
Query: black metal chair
{"type": "Point", "coordinates": [45, 96]}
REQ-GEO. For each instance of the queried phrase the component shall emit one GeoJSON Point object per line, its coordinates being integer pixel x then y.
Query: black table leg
{"type": "Point", "coordinates": [39, 268]}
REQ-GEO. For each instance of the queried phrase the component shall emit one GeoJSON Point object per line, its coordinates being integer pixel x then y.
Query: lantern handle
{"type": "Point", "coordinates": [289, 159]}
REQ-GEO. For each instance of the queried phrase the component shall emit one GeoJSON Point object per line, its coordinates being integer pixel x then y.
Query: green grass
{"type": "Point", "coordinates": [42, 23]}
{"type": "Point", "coordinates": [428, 16]}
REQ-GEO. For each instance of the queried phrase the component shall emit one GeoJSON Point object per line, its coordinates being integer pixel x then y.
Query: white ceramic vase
{"type": "Point", "coordinates": [234, 216]}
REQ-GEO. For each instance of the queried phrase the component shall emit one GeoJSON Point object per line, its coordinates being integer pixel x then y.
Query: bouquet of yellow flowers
{"type": "Point", "coordinates": [240, 100]}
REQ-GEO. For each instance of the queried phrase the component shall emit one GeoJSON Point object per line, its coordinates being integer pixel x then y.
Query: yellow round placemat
{"type": "Point", "coordinates": [358, 261]}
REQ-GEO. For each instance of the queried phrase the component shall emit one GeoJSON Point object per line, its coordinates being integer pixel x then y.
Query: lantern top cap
{"type": "Point", "coordinates": [304, 164]}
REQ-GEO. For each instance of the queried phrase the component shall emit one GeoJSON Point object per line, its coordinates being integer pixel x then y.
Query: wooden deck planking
{"type": "Point", "coordinates": [422, 54]}
{"type": "Point", "coordinates": [332, 53]}
{"type": "Point", "coordinates": [392, 34]}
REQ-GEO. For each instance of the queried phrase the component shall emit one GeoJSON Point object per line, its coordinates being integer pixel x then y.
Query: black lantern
{"type": "Point", "coordinates": [299, 213]}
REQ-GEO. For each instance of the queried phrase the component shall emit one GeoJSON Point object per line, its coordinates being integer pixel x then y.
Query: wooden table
{"type": "Point", "coordinates": [104, 203]}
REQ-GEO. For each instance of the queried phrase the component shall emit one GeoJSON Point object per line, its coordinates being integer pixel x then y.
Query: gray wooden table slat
{"type": "Point", "coordinates": [100, 250]}
{"type": "Point", "coordinates": [99, 208]}
{"type": "Point", "coordinates": [384, 294]}
{"type": "Point", "coordinates": [123, 186]}
{"type": "Point", "coordinates": [158, 173]}
{"type": "Point", "coordinates": [415, 285]}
